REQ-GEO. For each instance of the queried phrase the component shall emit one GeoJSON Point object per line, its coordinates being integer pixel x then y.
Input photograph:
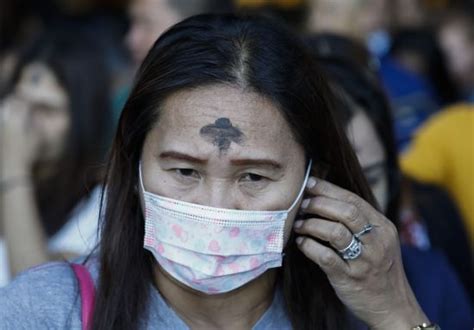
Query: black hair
{"type": "Point", "coordinates": [422, 42]}
{"type": "Point", "coordinates": [350, 67]}
{"type": "Point", "coordinates": [263, 57]}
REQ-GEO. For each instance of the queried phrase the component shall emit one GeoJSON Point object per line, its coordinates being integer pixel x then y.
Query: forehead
{"type": "Point", "coordinates": [185, 115]}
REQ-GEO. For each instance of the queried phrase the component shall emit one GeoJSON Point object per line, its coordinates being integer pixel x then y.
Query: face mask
{"type": "Point", "coordinates": [210, 249]}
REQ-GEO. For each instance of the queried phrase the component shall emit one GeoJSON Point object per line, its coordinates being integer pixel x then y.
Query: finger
{"type": "Point", "coordinates": [329, 261]}
{"type": "Point", "coordinates": [320, 187]}
{"type": "Point", "coordinates": [350, 215]}
{"type": "Point", "coordinates": [335, 233]}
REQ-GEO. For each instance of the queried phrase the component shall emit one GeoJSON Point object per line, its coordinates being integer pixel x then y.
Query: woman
{"type": "Point", "coordinates": [227, 118]}
{"type": "Point", "coordinates": [53, 120]}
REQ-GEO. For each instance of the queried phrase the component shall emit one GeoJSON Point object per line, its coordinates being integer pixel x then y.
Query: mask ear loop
{"type": "Point", "coordinates": [140, 178]}
{"type": "Point", "coordinates": [308, 171]}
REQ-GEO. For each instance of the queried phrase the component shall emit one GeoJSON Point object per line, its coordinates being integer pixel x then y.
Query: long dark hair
{"type": "Point", "coordinates": [349, 66]}
{"type": "Point", "coordinates": [77, 63]}
{"type": "Point", "coordinates": [261, 56]}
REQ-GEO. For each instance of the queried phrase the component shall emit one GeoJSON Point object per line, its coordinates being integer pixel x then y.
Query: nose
{"type": "Point", "coordinates": [218, 194]}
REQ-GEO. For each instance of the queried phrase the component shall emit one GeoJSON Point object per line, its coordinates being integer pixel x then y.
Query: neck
{"type": "Point", "coordinates": [238, 309]}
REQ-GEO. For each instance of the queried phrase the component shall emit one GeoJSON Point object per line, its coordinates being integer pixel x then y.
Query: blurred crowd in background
{"type": "Point", "coordinates": [66, 67]}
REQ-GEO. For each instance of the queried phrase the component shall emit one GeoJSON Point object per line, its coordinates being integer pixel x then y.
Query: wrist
{"type": "Point", "coordinates": [404, 321]}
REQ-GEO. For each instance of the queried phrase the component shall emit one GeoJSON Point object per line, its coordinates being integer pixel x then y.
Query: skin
{"type": "Point", "coordinates": [178, 163]}
{"type": "Point", "coordinates": [149, 19]}
{"type": "Point", "coordinates": [222, 133]}
{"type": "Point", "coordinates": [34, 121]}
{"type": "Point", "coordinates": [371, 155]}
{"type": "Point", "coordinates": [459, 52]}
{"type": "Point", "coordinates": [355, 19]}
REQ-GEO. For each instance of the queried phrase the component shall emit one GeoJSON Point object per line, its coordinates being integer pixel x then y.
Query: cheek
{"type": "Point", "coordinates": [53, 132]}
{"type": "Point", "coordinates": [381, 193]}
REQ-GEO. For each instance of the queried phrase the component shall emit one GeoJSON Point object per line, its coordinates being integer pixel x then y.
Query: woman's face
{"type": "Point", "coordinates": [223, 147]}
{"type": "Point", "coordinates": [48, 104]}
{"type": "Point", "coordinates": [371, 155]}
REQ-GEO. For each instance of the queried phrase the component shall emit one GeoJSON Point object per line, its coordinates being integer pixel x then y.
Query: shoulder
{"type": "Point", "coordinates": [45, 296]}
{"type": "Point", "coordinates": [450, 118]}
{"type": "Point", "coordinates": [79, 235]}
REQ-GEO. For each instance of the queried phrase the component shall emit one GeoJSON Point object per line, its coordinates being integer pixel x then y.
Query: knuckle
{"type": "Point", "coordinates": [350, 213]}
{"type": "Point", "coordinates": [317, 202]}
{"type": "Point", "coordinates": [305, 244]}
{"type": "Point", "coordinates": [327, 259]}
{"type": "Point", "coordinates": [339, 233]}
{"type": "Point", "coordinates": [323, 187]}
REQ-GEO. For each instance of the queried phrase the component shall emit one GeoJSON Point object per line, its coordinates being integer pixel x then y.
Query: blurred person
{"type": "Point", "coordinates": [456, 37]}
{"type": "Point", "coordinates": [150, 18]}
{"type": "Point", "coordinates": [442, 154]}
{"type": "Point", "coordinates": [291, 11]}
{"type": "Point", "coordinates": [54, 129]}
{"type": "Point", "coordinates": [20, 21]}
{"type": "Point", "coordinates": [217, 215]}
{"type": "Point", "coordinates": [417, 81]}
{"type": "Point", "coordinates": [367, 117]}
{"type": "Point", "coordinates": [369, 22]}
{"type": "Point", "coordinates": [418, 51]}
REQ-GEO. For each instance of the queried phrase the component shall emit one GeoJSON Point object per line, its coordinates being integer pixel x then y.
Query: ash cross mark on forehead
{"type": "Point", "coordinates": [222, 134]}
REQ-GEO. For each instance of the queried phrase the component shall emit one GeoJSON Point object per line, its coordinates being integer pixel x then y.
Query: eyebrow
{"type": "Point", "coordinates": [258, 162]}
{"type": "Point", "coordinates": [237, 162]}
{"type": "Point", "coordinates": [181, 156]}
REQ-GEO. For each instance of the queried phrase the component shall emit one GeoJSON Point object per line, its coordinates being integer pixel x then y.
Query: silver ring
{"type": "Point", "coordinates": [353, 250]}
{"type": "Point", "coordinates": [367, 228]}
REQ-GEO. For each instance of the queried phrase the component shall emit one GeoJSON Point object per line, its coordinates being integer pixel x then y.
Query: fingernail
{"type": "Point", "coordinates": [311, 183]}
{"type": "Point", "coordinates": [298, 224]}
{"type": "Point", "coordinates": [305, 203]}
{"type": "Point", "coordinates": [299, 240]}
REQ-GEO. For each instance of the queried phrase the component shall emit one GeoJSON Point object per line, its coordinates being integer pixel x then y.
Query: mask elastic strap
{"type": "Point", "coordinates": [308, 170]}
{"type": "Point", "coordinates": [140, 177]}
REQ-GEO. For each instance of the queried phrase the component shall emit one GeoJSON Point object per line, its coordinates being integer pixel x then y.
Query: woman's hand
{"type": "Point", "coordinates": [19, 140]}
{"type": "Point", "coordinates": [373, 285]}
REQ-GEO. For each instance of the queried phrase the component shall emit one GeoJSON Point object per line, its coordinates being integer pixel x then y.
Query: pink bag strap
{"type": "Point", "coordinates": [87, 290]}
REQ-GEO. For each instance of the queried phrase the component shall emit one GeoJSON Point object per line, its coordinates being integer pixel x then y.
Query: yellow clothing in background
{"type": "Point", "coordinates": [442, 153]}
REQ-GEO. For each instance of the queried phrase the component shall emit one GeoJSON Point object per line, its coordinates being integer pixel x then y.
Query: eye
{"type": "Point", "coordinates": [373, 179]}
{"type": "Point", "coordinates": [252, 177]}
{"type": "Point", "coordinates": [187, 172]}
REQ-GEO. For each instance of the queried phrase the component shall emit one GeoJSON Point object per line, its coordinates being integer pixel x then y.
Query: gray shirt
{"type": "Point", "coordinates": [47, 297]}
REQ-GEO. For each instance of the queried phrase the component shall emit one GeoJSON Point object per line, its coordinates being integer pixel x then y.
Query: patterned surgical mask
{"type": "Point", "coordinates": [210, 249]}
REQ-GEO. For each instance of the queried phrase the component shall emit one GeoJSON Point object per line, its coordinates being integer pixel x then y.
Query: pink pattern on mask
{"type": "Point", "coordinates": [234, 267]}
{"type": "Point", "coordinates": [180, 233]}
{"type": "Point", "coordinates": [214, 246]}
{"type": "Point", "coordinates": [254, 262]}
{"type": "Point", "coordinates": [234, 232]}
{"type": "Point", "coordinates": [272, 238]}
{"type": "Point", "coordinates": [177, 230]}
{"type": "Point", "coordinates": [160, 248]}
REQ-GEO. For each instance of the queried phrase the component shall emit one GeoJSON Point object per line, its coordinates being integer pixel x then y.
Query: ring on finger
{"type": "Point", "coordinates": [367, 228]}
{"type": "Point", "coordinates": [353, 250]}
